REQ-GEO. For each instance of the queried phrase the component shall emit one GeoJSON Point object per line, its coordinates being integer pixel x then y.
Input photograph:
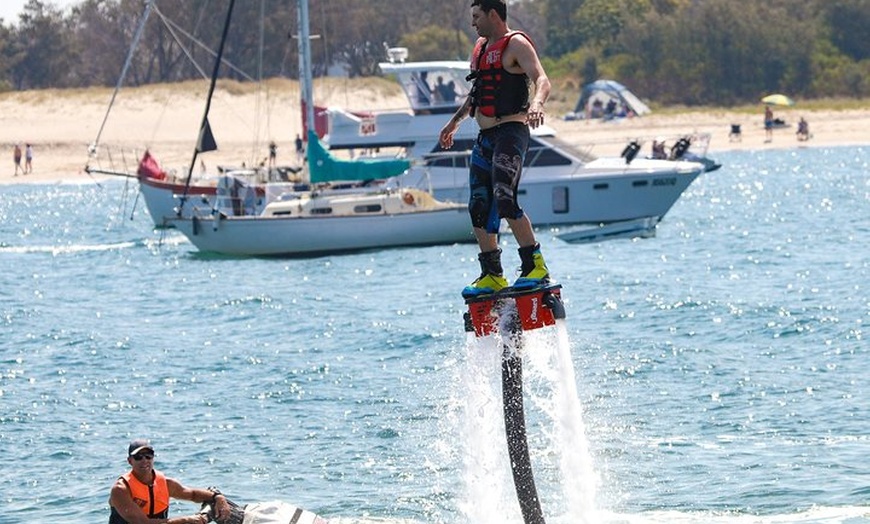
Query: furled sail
{"type": "Point", "coordinates": [324, 167]}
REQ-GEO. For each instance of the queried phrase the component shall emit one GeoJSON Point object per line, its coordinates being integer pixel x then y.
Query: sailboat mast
{"type": "Point", "coordinates": [305, 64]}
{"type": "Point", "coordinates": [205, 142]}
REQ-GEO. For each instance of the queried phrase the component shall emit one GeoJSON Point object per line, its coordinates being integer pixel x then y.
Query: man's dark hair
{"type": "Point", "coordinates": [486, 6]}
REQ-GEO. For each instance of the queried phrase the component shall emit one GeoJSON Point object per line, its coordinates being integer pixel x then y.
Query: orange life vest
{"type": "Point", "coordinates": [497, 92]}
{"type": "Point", "coordinates": [152, 499]}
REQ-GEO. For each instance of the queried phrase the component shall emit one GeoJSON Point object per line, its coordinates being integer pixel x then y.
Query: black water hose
{"type": "Point", "coordinates": [515, 426]}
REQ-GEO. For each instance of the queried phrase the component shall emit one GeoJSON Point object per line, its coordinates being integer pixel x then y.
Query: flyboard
{"type": "Point", "coordinates": [511, 312]}
{"type": "Point", "coordinates": [273, 512]}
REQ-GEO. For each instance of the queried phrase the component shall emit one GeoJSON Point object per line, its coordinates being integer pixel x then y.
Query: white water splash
{"type": "Point", "coordinates": [489, 495]}
{"type": "Point", "coordinates": [548, 354]}
{"type": "Point", "coordinates": [68, 249]}
{"type": "Point", "coordinates": [486, 470]}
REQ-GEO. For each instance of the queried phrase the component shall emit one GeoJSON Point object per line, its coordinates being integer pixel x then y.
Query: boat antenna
{"type": "Point", "coordinates": [206, 141]}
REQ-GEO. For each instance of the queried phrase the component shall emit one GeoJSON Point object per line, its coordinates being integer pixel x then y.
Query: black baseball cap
{"type": "Point", "coordinates": [138, 445]}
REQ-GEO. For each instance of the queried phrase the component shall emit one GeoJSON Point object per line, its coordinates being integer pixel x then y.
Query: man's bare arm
{"type": "Point", "coordinates": [526, 58]}
{"type": "Point", "coordinates": [445, 138]}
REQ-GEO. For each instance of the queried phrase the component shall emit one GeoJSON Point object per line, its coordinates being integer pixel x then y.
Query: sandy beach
{"type": "Point", "coordinates": [61, 124]}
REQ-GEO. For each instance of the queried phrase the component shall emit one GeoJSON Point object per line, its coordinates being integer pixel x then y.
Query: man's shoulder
{"type": "Point", "coordinates": [121, 485]}
{"type": "Point", "coordinates": [523, 40]}
{"type": "Point", "coordinates": [120, 482]}
{"type": "Point", "coordinates": [518, 46]}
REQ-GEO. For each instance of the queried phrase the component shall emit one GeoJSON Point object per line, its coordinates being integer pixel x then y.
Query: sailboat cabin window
{"type": "Point", "coordinates": [367, 208]}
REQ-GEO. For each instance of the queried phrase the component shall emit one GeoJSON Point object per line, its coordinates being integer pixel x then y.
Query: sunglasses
{"type": "Point", "coordinates": [139, 456]}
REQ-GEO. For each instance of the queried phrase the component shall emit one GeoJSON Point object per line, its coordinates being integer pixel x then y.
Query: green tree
{"type": "Point", "coordinates": [562, 34]}
{"type": "Point", "coordinates": [102, 28]}
{"type": "Point", "coordinates": [739, 56]}
{"type": "Point", "coordinates": [835, 74]}
{"type": "Point", "coordinates": [848, 22]}
{"type": "Point", "coordinates": [6, 49]}
{"type": "Point", "coordinates": [42, 54]}
{"type": "Point", "coordinates": [601, 21]}
{"type": "Point", "coordinates": [436, 43]}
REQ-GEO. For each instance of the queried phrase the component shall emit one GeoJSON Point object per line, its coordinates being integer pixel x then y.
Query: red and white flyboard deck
{"type": "Point", "coordinates": [536, 308]}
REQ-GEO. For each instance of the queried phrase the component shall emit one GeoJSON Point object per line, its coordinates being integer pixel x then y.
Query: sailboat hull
{"type": "Point", "coordinates": [308, 236]}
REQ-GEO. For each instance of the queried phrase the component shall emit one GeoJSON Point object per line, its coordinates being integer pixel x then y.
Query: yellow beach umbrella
{"type": "Point", "coordinates": [777, 100]}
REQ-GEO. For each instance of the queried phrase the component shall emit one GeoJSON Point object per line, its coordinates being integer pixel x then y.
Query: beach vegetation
{"type": "Point", "coordinates": [725, 53]}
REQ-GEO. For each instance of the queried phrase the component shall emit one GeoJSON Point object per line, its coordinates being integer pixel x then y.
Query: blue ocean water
{"type": "Point", "coordinates": [714, 373]}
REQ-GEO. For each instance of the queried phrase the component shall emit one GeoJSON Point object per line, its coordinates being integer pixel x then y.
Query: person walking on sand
{"type": "Point", "coordinates": [141, 496]}
{"type": "Point", "coordinates": [28, 159]}
{"type": "Point", "coordinates": [768, 124]}
{"type": "Point", "coordinates": [16, 156]}
{"type": "Point", "coordinates": [504, 63]}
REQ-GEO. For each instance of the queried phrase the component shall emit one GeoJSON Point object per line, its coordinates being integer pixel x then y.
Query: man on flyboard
{"type": "Point", "coordinates": [504, 65]}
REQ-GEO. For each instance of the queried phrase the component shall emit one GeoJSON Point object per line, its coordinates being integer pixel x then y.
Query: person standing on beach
{"type": "Point", "coordinates": [16, 156]}
{"type": "Point", "coordinates": [28, 159]}
{"type": "Point", "coordinates": [768, 124]}
{"type": "Point", "coordinates": [141, 496]}
{"type": "Point", "coordinates": [273, 153]}
{"type": "Point", "coordinates": [504, 64]}
{"type": "Point", "coordinates": [300, 149]}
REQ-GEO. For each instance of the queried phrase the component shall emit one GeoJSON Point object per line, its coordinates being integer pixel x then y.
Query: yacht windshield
{"type": "Point", "coordinates": [434, 90]}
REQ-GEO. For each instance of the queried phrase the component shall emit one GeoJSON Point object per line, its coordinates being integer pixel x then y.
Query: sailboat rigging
{"type": "Point", "coordinates": [206, 141]}
{"type": "Point", "coordinates": [140, 28]}
{"type": "Point", "coordinates": [333, 221]}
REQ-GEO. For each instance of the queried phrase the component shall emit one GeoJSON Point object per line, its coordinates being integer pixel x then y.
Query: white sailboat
{"type": "Point", "coordinates": [312, 222]}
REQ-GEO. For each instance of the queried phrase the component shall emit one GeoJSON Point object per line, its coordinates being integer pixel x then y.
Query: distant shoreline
{"type": "Point", "coordinates": [165, 118]}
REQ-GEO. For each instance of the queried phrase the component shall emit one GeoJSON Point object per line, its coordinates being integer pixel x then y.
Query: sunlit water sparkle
{"type": "Point", "coordinates": [719, 367]}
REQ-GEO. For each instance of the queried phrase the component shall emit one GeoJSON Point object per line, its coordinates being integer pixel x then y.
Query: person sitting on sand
{"type": "Point", "coordinates": [803, 130]}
